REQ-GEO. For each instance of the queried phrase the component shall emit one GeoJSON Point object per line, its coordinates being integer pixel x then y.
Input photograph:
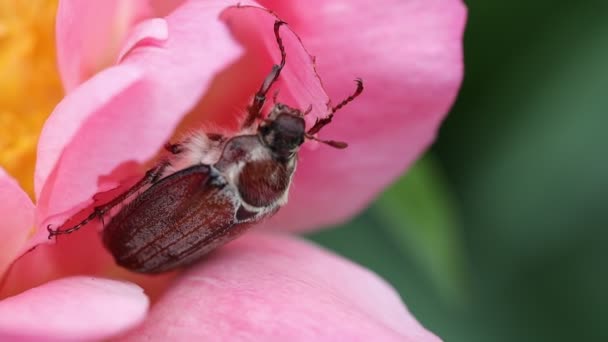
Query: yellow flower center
{"type": "Point", "coordinates": [29, 82]}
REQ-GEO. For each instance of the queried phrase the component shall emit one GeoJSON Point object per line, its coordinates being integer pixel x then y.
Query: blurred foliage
{"type": "Point", "coordinates": [419, 215]}
{"type": "Point", "coordinates": [508, 218]}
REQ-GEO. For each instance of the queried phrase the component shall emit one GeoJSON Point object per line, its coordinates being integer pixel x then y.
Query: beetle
{"type": "Point", "coordinates": [211, 187]}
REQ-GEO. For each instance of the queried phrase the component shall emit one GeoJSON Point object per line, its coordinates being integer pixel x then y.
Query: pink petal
{"type": "Point", "coordinates": [89, 35]}
{"type": "Point", "coordinates": [149, 31]}
{"type": "Point", "coordinates": [299, 85]}
{"type": "Point", "coordinates": [79, 308]}
{"type": "Point", "coordinates": [77, 254]}
{"type": "Point", "coordinates": [17, 213]}
{"type": "Point", "coordinates": [73, 124]}
{"type": "Point", "coordinates": [409, 55]}
{"type": "Point", "coordinates": [279, 289]}
{"type": "Point", "coordinates": [139, 111]}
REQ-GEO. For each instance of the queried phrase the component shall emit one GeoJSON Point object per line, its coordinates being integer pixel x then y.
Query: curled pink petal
{"type": "Point", "coordinates": [409, 55]}
{"type": "Point", "coordinates": [17, 213]}
{"type": "Point", "coordinates": [77, 254]}
{"type": "Point", "coordinates": [299, 85]}
{"type": "Point", "coordinates": [78, 308]}
{"type": "Point", "coordinates": [76, 121]}
{"type": "Point", "coordinates": [181, 70]}
{"type": "Point", "coordinates": [138, 114]}
{"type": "Point", "coordinates": [279, 289]}
{"type": "Point", "coordinates": [148, 31]}
{"type": "Point", "coordinates": [89, 35]}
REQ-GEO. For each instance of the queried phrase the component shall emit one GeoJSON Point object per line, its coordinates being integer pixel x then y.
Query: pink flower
{"type": "Point", "coordinates": [135, 73]}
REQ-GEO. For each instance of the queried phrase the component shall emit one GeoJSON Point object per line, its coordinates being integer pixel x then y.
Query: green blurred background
{"type": "Point", "coordinates": [500, 232]}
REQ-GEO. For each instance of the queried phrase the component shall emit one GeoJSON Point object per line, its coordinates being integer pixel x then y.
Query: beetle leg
{"type": "Point", "coordinates": [254, 110]}
{"type": "Point", "coordinates": [150, 177]}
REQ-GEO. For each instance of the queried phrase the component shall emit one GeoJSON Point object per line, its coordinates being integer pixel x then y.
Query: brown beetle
{"type": "Point", "coordinates": [211, 188]}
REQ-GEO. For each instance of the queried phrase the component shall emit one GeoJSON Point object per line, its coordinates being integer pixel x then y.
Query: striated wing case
{"type": "Point", "coordinates": [174, 222]}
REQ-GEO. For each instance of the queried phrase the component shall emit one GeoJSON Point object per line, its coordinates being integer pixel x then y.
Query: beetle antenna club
{"type": "Point", "coordinates": [254, 111]}
{"type": "Point", "coordinates": [332, 143]}
{"type": "Point", "coordinates": [320, 123]}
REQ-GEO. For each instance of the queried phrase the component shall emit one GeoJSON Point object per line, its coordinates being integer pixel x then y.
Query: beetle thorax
{"type": "Point", "coordinates": [262, 180]}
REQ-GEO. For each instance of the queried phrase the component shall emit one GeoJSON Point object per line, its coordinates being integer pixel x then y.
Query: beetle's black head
{"type": "Point", "coordinates": [284, 130]}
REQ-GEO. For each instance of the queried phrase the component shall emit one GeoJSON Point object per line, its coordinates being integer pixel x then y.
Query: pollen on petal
{"type": "Point", "coordinates": [29, 86]}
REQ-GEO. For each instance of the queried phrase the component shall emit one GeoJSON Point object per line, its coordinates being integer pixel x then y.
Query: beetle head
{"type": "Point", "coordinates": [284, 130]}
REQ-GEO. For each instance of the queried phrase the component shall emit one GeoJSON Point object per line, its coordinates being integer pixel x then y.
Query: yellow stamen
{"type": "Point", "coordinates": [29, 82]}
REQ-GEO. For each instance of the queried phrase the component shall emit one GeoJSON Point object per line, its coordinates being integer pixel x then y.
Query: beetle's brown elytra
{"type": "Point", "coordinates": [210, 188]}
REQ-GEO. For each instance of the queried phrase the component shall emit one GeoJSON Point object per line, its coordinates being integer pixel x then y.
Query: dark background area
{"type": "Point", "coordinates": [500, 233]}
